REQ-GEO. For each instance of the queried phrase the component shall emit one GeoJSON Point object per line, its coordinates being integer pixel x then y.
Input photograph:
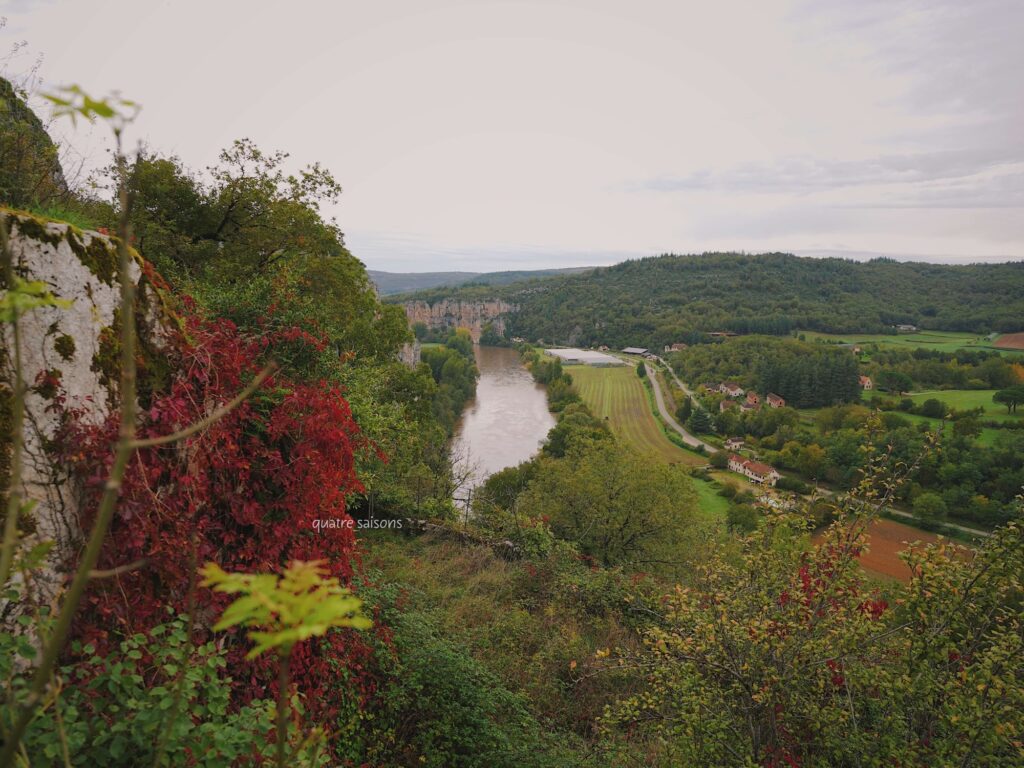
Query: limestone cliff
{"type": "Point", "coordinates": [73, 349]}
{"type": "Point", "coordinates": [456, 313]}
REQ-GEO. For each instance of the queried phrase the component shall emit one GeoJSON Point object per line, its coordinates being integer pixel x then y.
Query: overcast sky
{"type": "Point", "coordinates": [509, 135]}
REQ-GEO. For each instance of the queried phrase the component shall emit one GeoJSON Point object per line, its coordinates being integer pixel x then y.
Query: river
{"type": "Point", "coordinates": [508, 419]}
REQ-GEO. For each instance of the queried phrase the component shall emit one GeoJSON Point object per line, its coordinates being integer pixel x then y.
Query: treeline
{"type": "Point", "coordinates": [549, 372]}
{"type": "Point", "coordinates": [806, 375]}
{"type": "Point", "coordinates": [963, 369]}
{"type": "Point", "coordinates": [453, 368]}
{"type": "Point", "coordinates": [660, 300]}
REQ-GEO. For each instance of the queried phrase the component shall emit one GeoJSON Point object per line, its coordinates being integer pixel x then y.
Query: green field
{"type": "Point", "coordinates": [943, 341]}
{"type": "Point", "coordinates": [961, 399]}
{"type": "Point", "coordinates": [712, 506]}
{"type": "Point", "coordinates": [618, 395]}
{"type": "Point", "coordinates": [965, 399]}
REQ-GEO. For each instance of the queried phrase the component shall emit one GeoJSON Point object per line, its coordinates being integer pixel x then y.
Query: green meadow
{"type": "Point", "coordinates": [942, 341]}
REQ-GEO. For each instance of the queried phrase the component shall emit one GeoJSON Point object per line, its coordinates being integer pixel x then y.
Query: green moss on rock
{"type": "Point", "coordinates": [65, 346]}
{"type": "Point", "coordinates": [107, 360]}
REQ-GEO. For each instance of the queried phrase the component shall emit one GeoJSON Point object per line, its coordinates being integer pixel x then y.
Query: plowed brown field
{"type": "Point", "coordinates": [887, 539]}
{"type": "Point", "coordinates": [1010, 341]}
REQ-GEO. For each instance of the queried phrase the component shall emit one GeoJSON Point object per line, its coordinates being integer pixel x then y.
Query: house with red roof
{"type": "Point", "coordinates": [731, 388]}
{"type": "Point", "coordinates": [758, 472]}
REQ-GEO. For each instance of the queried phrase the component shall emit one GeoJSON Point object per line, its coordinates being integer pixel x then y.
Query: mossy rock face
{"type": "Point", "coordinates": [97, 252]}
{"type": "Point", "coordinates": [74, 352]}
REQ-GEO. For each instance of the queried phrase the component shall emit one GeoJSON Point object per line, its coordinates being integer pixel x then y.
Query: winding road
{"type": "Point", "coordinates": [670, 418]}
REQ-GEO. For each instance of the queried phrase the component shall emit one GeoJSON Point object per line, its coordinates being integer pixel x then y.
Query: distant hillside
{"type": "Point", "coordinates": [391, 283]}
{"type": "Point", "coordinates": [662, 299]}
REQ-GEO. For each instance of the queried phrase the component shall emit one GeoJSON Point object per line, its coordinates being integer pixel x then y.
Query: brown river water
{"type": "Point", "coordinates": [508, 419]}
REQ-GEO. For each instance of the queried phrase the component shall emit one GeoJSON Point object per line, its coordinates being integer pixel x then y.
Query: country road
{"type": "Point", "coordinates": [676, 379]}
{"type": "Point", "coordinates": [669, 418]}
{"type": "Point", "coordinates": [963, 529]}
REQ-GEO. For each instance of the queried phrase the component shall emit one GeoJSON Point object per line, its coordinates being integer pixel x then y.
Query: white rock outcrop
{"type": "Point", "coordinates": [71, 345]}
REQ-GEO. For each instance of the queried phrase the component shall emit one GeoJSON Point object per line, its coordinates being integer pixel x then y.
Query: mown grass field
{"type": "Point", "coordinates": [965, 399]}
{"type": "Point", "coordinates": [962, 399]}
{"type": "Point", "coordinates": [943, 341]}
{"type": "Point", "coordinates": [618, 395]}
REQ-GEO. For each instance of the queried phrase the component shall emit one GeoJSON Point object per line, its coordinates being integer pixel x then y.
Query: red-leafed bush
{"type": "Point", "coordinates": [243, 493]}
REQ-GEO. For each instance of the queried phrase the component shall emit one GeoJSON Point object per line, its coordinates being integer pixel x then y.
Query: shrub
{"type": "Point", "coordinates": [115, 711]}
{"type": "Point", "coordinates": [719, 460]}
{"type": "Point", "coordinates": [438, 706]}
{"type": "Point", "coordinates": [243, 492]}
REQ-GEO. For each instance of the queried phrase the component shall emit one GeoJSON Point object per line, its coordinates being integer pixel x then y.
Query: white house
{"type": "Point", "coordinates": [754, 470]}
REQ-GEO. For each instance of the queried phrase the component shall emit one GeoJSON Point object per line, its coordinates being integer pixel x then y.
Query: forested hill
{"type": "Point", "coordinates": [402, 282]}
{"type": "Point", "coordinates": [661, 299]}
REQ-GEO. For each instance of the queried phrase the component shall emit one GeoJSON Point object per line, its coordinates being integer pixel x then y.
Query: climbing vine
{"type": "Point", "coordinates": [243, 493]}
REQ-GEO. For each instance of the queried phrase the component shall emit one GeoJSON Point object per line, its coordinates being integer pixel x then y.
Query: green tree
{"type": "Point", "coordinates": [967, 427]}
{"type": "Point", "coordinates": [30, 170]}
{"type": "Point", "coordinates": [894, 381]}
{"type": "Point", "coordinates": [929, 506]}
{"type": "Point", "coordinates": [935, 409]}
{"type": "Point", "coordinates": [615, 505]}
{"type": "Point", "coordinates": [700, 422]}
{"type": "Point", "coordinates": [684, 410]}
{"type": "Point", "coordinates": [741, 518]}
{"type": "Point", "coordinates": [1011, 398]}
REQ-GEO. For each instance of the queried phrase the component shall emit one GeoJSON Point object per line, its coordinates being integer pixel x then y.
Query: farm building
{"type": "Point", "coordinates": [634, 351]}
{"type": "Point", "coordinates": [866, 383]}
{"type": "Point", "coordinates": [733, 443]}
{"type": "Point", "coordinates": [753, 470]}
{"type": "Point", "coordinates": [775, 401]}
{"type": "Point", "coordinates": [573, 356]}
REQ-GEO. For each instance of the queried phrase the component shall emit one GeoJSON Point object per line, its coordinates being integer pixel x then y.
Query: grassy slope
{"type": "Point", "coordinates": [526, 621]}
{"type": "Point", "coordinates": [618, 395]}
{"type": "Point", "coordinates": [712, 506]}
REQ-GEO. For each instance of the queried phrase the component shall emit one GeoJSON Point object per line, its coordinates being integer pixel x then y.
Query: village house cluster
{"type": "Point", "coordinates": [752, 401]}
